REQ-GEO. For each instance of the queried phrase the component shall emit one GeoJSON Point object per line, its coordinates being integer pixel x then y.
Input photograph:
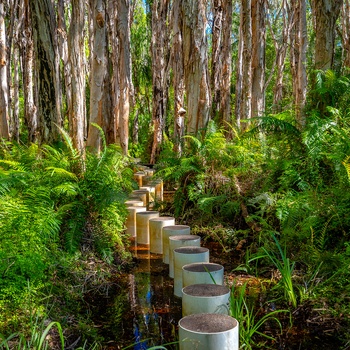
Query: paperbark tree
{"type": "Point", "coordinates": [159, 79]}
{"type": "Point", "coordinates": [124, 73]}
{"type": "Point", "coordinates": [97, 75]}
{"type": "Point", "coordinates": [196, 64]}
{"type": "Point", "coordinates": [221, 60]}
{"type": "Point", "coordinates": [47, 83]}
{"type": "Point", "coordinates": [244, 66]}
{"type": "Point", "coordinates": [346, 33]}
{"type": "Point", "coordinates": [4, 92]}
{"type": "Point", "coordinates": [178, 76]}
{"type": "Point", "coordinates": [298, 50]}
{"type": "Point", "coordinates": [27, 48]}
{"type": "Point", "coordinates": [258, 57]}
{"type": "Point", "coordinates": [326, 13]}
{"type": "Point", "coordinates": [76, 110]}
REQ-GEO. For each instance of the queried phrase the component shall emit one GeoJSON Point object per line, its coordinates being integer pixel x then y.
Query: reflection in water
{"type": "Point", "coordinates": [144, 312]}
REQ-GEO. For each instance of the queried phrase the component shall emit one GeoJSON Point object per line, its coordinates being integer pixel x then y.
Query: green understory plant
{"type": "Point", "coordinates": [286, 268]}
{"type": "Point", "coordinates": [250, 322]}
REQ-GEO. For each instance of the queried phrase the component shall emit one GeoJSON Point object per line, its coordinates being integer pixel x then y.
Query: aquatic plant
{"type": "Point", "coordinates": [249, 321]}
{"type": "Point", "coordinates": [286, 268]}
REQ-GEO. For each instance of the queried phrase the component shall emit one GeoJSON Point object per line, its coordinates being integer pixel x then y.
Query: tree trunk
{"type": "Point", "coordinates": [97, 75]}
{"type": "Point", "coordinates": [4, 93]}
{"type": "Point", "coordinates": [124, 73]}
{"type": "Point", "coordinates": [15, 94]}
{"type": "Point", "coordinates": [246, 37]}
{"type": "Point", "coordinates": [300, 97]}
{"type": "Point", "coordinates": [326, 13]}
{"type": "Point", "coordinates": [178, 77]}
{"type": "Point", "coordinates": [258, 57]}
{"type": "Point", "coordinates": [298, 60]}
{"type": "Point", "coordinates": [63, 49]}
{"type": "Point", "coordinates": [47, 65]}
{"type": "Point", "coordinates": [30, 109]}
{"type": "Point", "coordinates": [216, 62]}
{"type": "Point", "coordinates": [226, 70]}
{"type": "Point", "coordinates": [76, 110]}
{"type": "Point", "coordinates": [158, 45]}
{"type": "Point", "coordinates": [346, 34]}
{"type": "Point", "coordinates": [196, 64]}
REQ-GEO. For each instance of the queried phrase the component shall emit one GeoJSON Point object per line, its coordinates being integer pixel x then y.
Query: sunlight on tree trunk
{"type": "Point", "coordinates": [30, 109]}
{"type": "Point", "coordinates": [76, 110]}
{"type": "Point", "coordinates": [47, 65]}
{"type": "Point", "coordinates": [158, 48]}
{"type": "Point", "coordinates": [125, 84]}
{"type": "Point", "coordinates": [4, 93]}
{"type": "Point", "coordinates": [97, 75]}
{"type": "Point", "coordinates": [196, 65]}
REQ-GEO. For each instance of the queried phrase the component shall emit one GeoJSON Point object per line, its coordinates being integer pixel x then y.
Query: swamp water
{"type": "Point", "coordinates": [143, 312]}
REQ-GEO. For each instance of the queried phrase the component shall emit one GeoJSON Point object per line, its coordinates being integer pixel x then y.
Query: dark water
{"type": "Point", "coordinates": [144, 312]}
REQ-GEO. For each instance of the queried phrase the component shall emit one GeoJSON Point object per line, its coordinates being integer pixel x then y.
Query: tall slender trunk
{"type": "Point", "coordinates": [63, 49]}
{"type": "Point", "coordinates": [76, 110]}
{"type": "Point", "coordinates": [4, 93]}
{"type": "Point", "coordinates": [178, 77]}
{"type": "Point", "coordinates": [226, 69]}
{"type": "Point", "coordinates": [30, 109]}
{"type": "Point", "coordinates": [246, 23]}
{"type": "Point", "coordinates": [47, 65]}
{"type": "Point", "coordinates": [346, 33]}
{"type": "Point", "coordinates": [326, 13]}
{"type": "Point", "coordinates": [97, 74]}
{"type": "Point", "coordinates": [216, 60]}
{"type": "Point", "coordinates": [258, 57]}
{"type": "Point", "coordinates": [300, 97]}
{"type": "Point", "coordinates": [124, 72]}
{"type": "Point", "coordinates": [196, 64]}
{"type": "Point", "coordinates": [15, 95]}
{"type": "Point", "coordinates": [159, 101]}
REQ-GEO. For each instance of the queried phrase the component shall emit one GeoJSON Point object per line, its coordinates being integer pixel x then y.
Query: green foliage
{"type": "Point", "coordinates": [49, 209]}
{"type": "Point", "coordinates": [250, 322]}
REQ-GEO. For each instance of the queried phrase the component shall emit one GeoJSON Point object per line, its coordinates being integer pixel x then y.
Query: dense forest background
{"type": "Point", "coordinates": [241, 106]}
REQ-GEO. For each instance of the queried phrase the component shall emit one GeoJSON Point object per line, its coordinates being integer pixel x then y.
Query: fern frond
{"type": "Point", "coordinates": [61, 173]}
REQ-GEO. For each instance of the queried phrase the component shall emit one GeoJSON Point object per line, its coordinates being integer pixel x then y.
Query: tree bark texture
{"type": "Point", "coordinates": [243, 93]}
{"type": "Point", "coordinates": [346, 33]}
{"type": "Point", "coordinates": [158, 45]}
{"type": "Point", "coordinates": [326, 13]}
{"type": "Point", "coordinates": [76, 111]}
{"type": "Point", "coordinates": [47, 65]}
{"type": "Point", "coordinates": [4, 91]}
{"type": "Point", "coordinates": [97, 75]}
{"type": "Point", "coordinates": [196, 65]}
{"type": "Point", "coordinates": [258, 57]}
{"type": "Point", "coordinates": [124, 72]}
{"type": "Point", "coordinates": [27, 45]}
{"type": "Point", "coordinates": [178, 76]}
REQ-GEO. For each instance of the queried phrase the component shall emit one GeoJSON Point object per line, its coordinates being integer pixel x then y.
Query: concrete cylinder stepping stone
{"type": "Point", "coordinates": [131, 219]}
{"type": "Point", "coordinates": [142, 195]}
{"type": "Point", "coordinates": [138, 176]}
{"type": "Point", "coordinates": [205, 298]}
{"type": "Point", "coordinates": [155, 231]}
{"type": "Point", "coordinates": [134, 203]}
{"type": "Point", "coordinates": [168, 231]}
{"type": "Point", "coordinates": [158, 184]}
{"type": "Point", "coordinates": [142, 225]}
{"type": "Point", "coordinates": [184, 256]}
{"type": "Point", "coordinates": [151, 190]}
{"type": "Point", "coordinates": [202, 273]}
{"type": "Point", "coordinates": [208, 332]}
{"type": "Point", "coordinates": [178, 242]}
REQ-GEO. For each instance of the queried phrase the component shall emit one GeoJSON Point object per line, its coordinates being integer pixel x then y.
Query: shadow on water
{"type": "Point", "coordinates": [143, 311]}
